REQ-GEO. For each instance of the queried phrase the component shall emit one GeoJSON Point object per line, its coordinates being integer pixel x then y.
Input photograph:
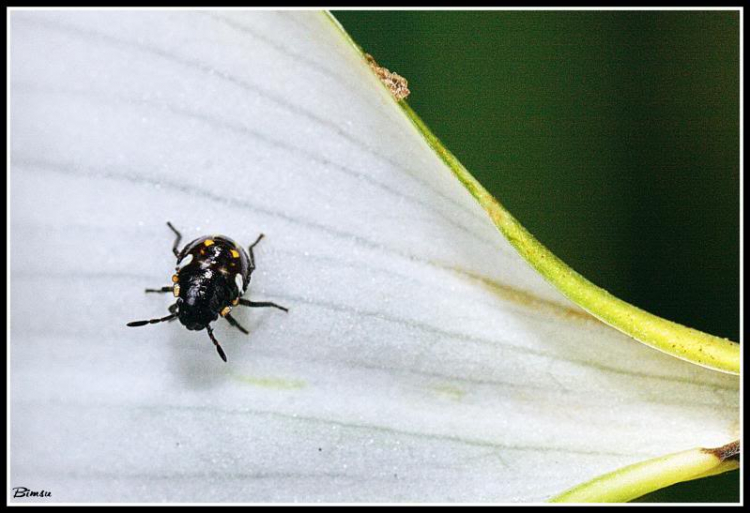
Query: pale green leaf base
{"type": "Point", "coordinates": [634, 481]}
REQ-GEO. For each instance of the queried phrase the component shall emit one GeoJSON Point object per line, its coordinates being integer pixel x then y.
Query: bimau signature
{"type": "Point", "coordinates": [22, 491]}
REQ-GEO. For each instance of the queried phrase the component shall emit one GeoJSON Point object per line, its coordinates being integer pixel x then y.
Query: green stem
{"type": "Point", "coordinates": [686, 343]}
{"type": "Point", "coordinates": [634, 481]}
{"type": "Point", "coordinates": [672, 338]}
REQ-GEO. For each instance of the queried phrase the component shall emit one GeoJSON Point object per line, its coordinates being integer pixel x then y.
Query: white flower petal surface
{"type": "Point", "coordinates": [422, 359]}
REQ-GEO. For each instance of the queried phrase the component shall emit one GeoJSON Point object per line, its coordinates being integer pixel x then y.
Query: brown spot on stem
{"type": "Point", "coordinates": [726, 452]}
{"type": "Point", "coordinates": [396, 84]}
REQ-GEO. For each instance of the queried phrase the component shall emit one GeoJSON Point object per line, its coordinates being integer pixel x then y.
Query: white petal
{"type": "Point", "coordinates": [421, 360]}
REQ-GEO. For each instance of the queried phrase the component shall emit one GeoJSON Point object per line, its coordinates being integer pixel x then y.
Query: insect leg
{"type": "Point", "coordinates": [152, 321]}
{"type": "Point", "coordinates": [236, 324]}
{"type": "Point", "coordinates": [177, 240]}
{"type": "Point", "coordinates": [173, 309]}
{"type": "Point", "coordinates": [216, 343]}
{"type": "Point", "coordinates": [262, 304]}
{"type": "Point", "coordinates": [250, 251]}
{"type": "Point", "coordinates": [168, 288]}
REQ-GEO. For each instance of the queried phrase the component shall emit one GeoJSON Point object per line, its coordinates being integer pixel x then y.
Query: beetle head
{"type": "Point", "coordinates": [200, 303]}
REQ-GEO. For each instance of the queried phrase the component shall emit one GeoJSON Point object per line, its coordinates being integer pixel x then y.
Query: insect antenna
{"type": "Point", "coordinates": [152, 321]}
{"type": "Point", "coordinates": [216, 343]}
{"type": "Point", "coordinates": [176, 241]}
{"type": "Point", "coordinates": [256, 242]}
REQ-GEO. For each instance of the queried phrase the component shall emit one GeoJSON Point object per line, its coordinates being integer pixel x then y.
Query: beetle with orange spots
{"type": "Point", "coordinates": [211, 276]}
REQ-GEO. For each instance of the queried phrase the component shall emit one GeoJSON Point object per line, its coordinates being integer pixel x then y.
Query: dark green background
{"type": "Point", "coordinates": [613, 136]}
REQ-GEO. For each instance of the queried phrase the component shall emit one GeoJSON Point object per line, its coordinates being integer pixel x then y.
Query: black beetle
{"type": "Point", "coordinates": [211, 276]}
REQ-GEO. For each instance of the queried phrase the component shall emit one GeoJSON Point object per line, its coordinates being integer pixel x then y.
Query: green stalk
{"type": "Point", "coordinates": [686, 343]}
{"type": "Point", "coordinates": [634, 481]}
